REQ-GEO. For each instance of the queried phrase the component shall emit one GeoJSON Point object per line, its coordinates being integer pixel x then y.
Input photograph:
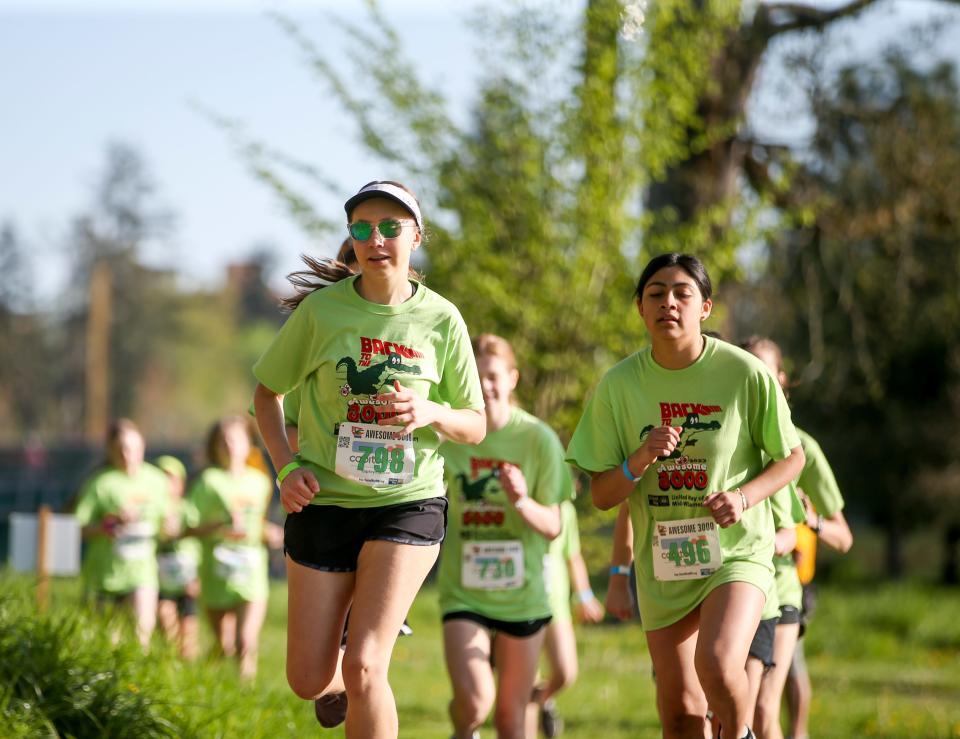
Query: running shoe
{"type": "Point", "coordinates": [331, 709]}
{"type": "Point", "coordinates": [550, 722]}
{"type": "Point", "coordinates": [406, 630]}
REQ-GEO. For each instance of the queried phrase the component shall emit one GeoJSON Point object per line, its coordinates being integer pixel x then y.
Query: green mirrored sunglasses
{"type": "Point", "coordinates": [389, 228]}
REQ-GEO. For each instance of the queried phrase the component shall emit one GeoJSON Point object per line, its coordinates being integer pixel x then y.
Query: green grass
{"type": "Point", "coordinates": [884, 658]}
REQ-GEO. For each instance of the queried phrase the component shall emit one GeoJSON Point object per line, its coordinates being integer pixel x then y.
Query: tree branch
{"type": "Point", "coordinates": [800, 16]}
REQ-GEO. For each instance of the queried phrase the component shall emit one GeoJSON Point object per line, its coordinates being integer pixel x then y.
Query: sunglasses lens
{"type": "Point", "coordinates": [361, 230]}
{"type": "Point", "coordinates": [390, 229]}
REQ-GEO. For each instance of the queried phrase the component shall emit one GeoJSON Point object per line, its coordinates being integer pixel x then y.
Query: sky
{"type": "Point", "coordinates": [75, 75]}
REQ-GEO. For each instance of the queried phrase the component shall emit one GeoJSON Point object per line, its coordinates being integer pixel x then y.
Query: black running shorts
{"type": "Point", "coordinates": [762, 646]}
{"type": "Point", "coordinates": [186, 604]}
{"type": "Point", "coordinates": [329, 537]}
{"type": "Point", "coordinates": [518, 629]}
{"type": "Point", "coordinates": [789, 615]}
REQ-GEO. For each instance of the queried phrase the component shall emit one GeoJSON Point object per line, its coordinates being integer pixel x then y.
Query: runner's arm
{"type": "Point", "coordinates": [611, 487]}
{"type": "Point", "coordinates": [834, 530]}
{"type": "Point", "coordinates": [588, 608]}
{"type": "Point", "coordinates": [544, 519]}
{"type": "Point", "coordinates": [727, 507]}
{"type": "Point", "coordinates": [300, 485]}
{"type": "Point", "coordinates": [462, 425]}
{"type": "Point", "coordinates": [619, 600]}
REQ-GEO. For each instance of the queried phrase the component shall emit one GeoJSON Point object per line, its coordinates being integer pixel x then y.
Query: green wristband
{"type": "Point", "coordinates": [282, 474]}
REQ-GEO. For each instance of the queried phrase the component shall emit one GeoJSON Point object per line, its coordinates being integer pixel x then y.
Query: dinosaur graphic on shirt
{"type": "Point", "coordinates": [370, 380]}
{"type": "Point", "coordinates": [477, 489]}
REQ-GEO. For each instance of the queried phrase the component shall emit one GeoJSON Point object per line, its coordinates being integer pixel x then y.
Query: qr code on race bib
{"type": "Point", "coordinates": [343, 442]}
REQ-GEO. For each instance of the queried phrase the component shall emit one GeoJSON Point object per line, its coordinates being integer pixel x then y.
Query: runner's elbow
{"type": "Point", "coordinates": [601, 500]}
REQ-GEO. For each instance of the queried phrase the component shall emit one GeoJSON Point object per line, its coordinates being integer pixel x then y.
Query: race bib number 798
{"type": "Point", "coordinates": [371, 455]}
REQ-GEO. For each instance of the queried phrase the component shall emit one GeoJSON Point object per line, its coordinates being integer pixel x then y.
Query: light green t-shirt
{"type": "Point", "coordinates": [343, 351]}
{"type": "Point", "coordinates": [731, 410]}
{"type": "Point", "coordinates": [178, 561]}
{"type": "Point", "coordinates": [491, 562]}
{"type": "Point", "coordinates": [129, 561]}
{"type": "Point", "coordinates": [231, 570]}
{"type": "Point", "coordinates": [787, 510]}
{"type": "Point", "coordinates": [817, 479]}
{"type": "Point", "coordinates": [562, 549]}
{"type": "Point", "coordinates": [291, 407]}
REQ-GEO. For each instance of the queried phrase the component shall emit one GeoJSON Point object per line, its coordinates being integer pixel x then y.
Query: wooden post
{"type": "Point", "coordinates": [43, 574]}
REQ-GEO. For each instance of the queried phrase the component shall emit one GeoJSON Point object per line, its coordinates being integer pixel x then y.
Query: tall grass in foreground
{"type": "Point", "coordinates": [73, 673]}
{"type": "Point", "coordinates": [884, 657]}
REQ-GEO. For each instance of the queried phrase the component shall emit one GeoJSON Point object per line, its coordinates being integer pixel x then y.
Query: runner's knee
{"type": "Point", "coordinates": [361, 670]}
{"type": "Point", "coordinates": [307, 684]}
{"type": "Point", "coordinates": [565, 676]}
{"type": "Point", "coordinates": [716, 674]}
{"type": "Point", "coordinates": [474, 708]}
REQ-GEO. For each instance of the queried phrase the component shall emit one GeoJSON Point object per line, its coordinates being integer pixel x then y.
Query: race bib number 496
{"type": "Point", "coordinates": [686, 549]}
{"type": "Point", "coordinates": [371, 455]}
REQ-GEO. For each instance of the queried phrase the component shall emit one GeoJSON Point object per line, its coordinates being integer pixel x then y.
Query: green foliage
{"type": "Point", "coordinates": [61, 675]}
{"type": "Point", "coordinates": [543, 186]}
{"type": "Point", "coordinates": [684, 42]}
{"type": "Point", "coordinates": [25, 344]}
{"type": "Point", "coordinates": [175, 360]}
{"type": "Point", "coordinates": [872, 271]}
{"type": "Point", "coordinates": [882, 659]}
{"type": "Point", "coordinates": [535, 190]}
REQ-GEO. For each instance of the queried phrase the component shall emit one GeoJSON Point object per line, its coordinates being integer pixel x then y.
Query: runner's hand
{"type": "Point", "coordinates": [109, 524]}
{"type": "Point", "coordinates": [412, 411]}
{"type": "Point", "coordinates": [726, 508]}
{"type": "Point", "coordinates": [660, 442]}
{"type": "Point", "coordinates": [590, 612]}
{"type": "Point", "coordinates": [273, 535]}
{"type": "Point", "coordinates": [785, 541]}
{"type": "Point", "coordinates": [513, 482]}
{"type": "Point", "coordinates": [298, 489]}
{"type": "Point", "coordinates": [232, 534]}
{"type": "Point", "coordinates": [619, 601]}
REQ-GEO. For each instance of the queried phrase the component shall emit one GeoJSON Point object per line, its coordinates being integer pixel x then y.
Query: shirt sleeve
{"type": "Point", "coordinates": [292, 354]}
{"type": "Point", "coordinates": [595, 445]}
{"type": "Point", "coordinates": [459, 384]}
{"type": "Point", "coordinates": [163, 505]}
{"type": "Point", "coordinates": [818, 482]}
{"type": "Point", "coordinates": [771, 426]}
{"type": "Point", "coordinates": [787, 508]}
{"type": "Point", "coordinates": [291, 406]}
{"type": "Point", "coordinates": [87, 509]}
{"type": "Point", "coordinates": [206, 504]}
{"type": "Point", "coordinates": [554, 483]}
{"type": "Point", "coordinates": [571, 530]}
